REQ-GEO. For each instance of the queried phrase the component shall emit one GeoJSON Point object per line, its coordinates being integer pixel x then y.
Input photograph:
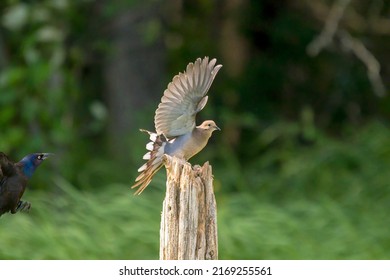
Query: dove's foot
{"type": "Point", "coordinates": [23, 206]}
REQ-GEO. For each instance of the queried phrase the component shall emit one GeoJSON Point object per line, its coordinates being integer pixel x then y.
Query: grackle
{"type": "Point", "coordinates": [13, 181]}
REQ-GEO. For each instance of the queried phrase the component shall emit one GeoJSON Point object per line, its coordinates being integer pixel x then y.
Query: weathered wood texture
{"type": "Point", "coordinates": [189, 216]}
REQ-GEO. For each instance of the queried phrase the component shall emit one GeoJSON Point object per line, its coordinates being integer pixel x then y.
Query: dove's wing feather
{"type": "Point", "coordinates": [184, 98]}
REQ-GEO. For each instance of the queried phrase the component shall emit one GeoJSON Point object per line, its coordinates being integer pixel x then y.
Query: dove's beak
{"type": "Point", "coordinates": [217, 128]}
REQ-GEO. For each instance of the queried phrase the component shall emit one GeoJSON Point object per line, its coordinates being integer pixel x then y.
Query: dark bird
{"type": "Point", "coordinates": [13, 181]}
{"type": "Point", "coordinates": [176, 132]}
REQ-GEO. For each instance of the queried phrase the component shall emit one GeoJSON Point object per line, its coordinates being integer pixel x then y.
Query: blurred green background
{"type": "Point", "coordinates": [301, 166]}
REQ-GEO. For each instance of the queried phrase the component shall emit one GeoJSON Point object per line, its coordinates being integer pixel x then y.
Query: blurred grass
{"type": "Point", "coordinates": [327, 201]}
{"type": "Point", "coordinates": [302, 230]}
{"type": "Point", "coordinates": [73, 224]}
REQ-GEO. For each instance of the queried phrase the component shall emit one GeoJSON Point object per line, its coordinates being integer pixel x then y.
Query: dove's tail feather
{"type": "Point", "coordinates": [154, 162]}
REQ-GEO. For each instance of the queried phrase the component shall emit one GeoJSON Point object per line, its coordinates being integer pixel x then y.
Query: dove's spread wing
{"type": "Point", "coordinates": [184, 98]}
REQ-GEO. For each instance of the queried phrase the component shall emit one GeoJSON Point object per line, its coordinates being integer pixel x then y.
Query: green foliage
{"type": "Point", "coordinates": [34, 82]}
{"type": "Point", "coordinates": [37, 89]}
{"type": "Point", "coordinates": [44, 104]}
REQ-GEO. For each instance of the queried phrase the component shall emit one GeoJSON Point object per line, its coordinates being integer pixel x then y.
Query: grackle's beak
{"type": "Point", "coordinates": [46, 155]}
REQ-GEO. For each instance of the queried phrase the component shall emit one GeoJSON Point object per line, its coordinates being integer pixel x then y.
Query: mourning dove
{"type": "Point", "coordinates": [176, 132]}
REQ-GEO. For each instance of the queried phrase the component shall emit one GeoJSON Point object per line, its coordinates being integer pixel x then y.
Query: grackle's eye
{"type": "Point", "coordinates": [40, 157]}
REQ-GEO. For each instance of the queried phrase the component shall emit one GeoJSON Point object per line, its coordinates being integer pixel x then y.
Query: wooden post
{"type": "Point", "coordinates": [189, 215]}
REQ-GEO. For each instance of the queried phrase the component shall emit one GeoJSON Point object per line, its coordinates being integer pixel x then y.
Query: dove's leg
{"type": "Point", "coordinates": [23, 206]}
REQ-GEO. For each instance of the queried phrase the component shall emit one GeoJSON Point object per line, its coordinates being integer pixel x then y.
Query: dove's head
{"type": "Point", "coordinates": [208, 127]}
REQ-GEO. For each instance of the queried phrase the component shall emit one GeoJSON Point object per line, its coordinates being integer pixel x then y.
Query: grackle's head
{"type": "Point", "coordinates": [30, 162]}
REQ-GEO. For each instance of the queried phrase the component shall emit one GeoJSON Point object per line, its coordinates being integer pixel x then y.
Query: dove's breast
{"type": "Point", "coordinates": [187, 145]}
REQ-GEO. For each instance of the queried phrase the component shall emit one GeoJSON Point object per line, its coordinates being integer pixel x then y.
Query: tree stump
{"type": "Point", "coordinates": [189, 216]}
